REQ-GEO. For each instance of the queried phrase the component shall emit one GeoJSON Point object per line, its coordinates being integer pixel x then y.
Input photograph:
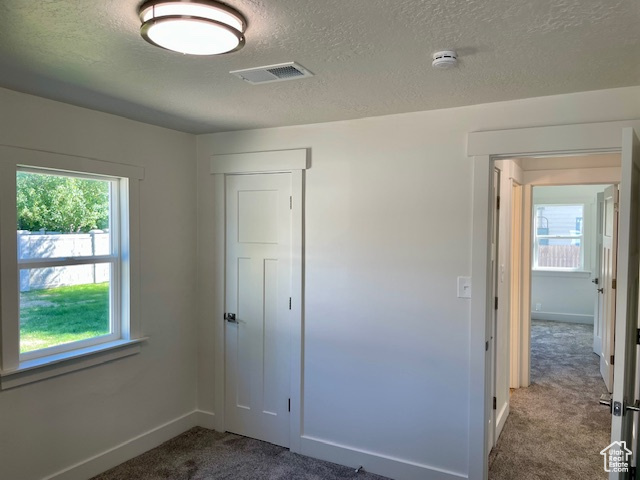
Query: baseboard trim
{"type": "Point", "coordinates": [131, 448]}
{"type": "Point", "coordinates": [387, 466]}
{"type": "Point", "coordinates": [205, 419]}
{"type": "Point", "coordinates": [563, 317]}
{"type": "Point", "coordinates": [501, 418]}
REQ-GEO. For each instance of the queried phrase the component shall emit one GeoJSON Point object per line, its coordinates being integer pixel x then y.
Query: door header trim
{"type": "Point", "coordinates": [589, 137]}
{"type": "Point", "coordinates": [260, 162]}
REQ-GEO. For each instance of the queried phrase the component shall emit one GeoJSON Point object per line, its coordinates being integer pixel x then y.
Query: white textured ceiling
{"type": "Point", "coordinates": [370, 57]}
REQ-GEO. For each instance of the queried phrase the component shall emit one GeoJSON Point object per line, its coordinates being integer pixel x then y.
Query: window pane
{"type": "Point", "coordinates": [62, 216]}
{"type": "Point", "coordinates": [559, 219]}
{"type": "Point", "coordinates": [60, 305]}
{"type": "Point", "coordinates": [560, 253]}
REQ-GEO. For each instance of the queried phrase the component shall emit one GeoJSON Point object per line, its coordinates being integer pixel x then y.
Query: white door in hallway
{"type": "Point", "coordinates": [606, 289]}
{"type": "Point", "coordinates": [598, 313]}
{"type": "Point", "coordinates": [624, 424]}
{"type": "Point", "coordinates": [502, 313]}
{"type": "Point", "coordinates": [495, 229]}
{"type": "Point", "coordinates": [257, 300]}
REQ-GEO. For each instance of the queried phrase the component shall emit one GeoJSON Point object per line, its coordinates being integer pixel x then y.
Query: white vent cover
{"type": "Point", "coordinates": [272, 73]}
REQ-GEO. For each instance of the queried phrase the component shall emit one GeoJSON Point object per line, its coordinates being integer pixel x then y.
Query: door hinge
{"type": "Point", "coordinates": [614, 284]}
{"type": "Point", "coordinates": [633, 473]}
{"type": "Point", "coordinates": [289, 404]}
{"type": "Point", "coordinates": [495, 403]}
{"type": "Point", "coordinates": [612, 359]}
{"type": "Point", "coordinates": [498, 202]}
{"type": "Point", "coordinates": [496, 303]}
{"type": "Point", "coordinates": [638, 336]}
{"type": "Point", "coordinates": [290, 203]}
{"type": "Point", "coordinates": [289, 303]}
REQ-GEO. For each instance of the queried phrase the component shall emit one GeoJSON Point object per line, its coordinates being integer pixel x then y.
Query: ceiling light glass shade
{"type": "Point", "coordinates": [192, 27]}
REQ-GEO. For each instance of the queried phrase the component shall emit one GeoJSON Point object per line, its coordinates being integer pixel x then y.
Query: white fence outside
{"type": "Point", "coordinates": [61, 245]}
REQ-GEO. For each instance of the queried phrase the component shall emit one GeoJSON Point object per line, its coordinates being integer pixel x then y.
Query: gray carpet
{"type": "Point", "coordinates": [556, 428]}
{"type": "Point", "coordinates": [204, 454]}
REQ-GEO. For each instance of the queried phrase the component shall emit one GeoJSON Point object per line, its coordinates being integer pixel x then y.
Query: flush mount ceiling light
{"type": "Point", "coordinates": [193, 27]}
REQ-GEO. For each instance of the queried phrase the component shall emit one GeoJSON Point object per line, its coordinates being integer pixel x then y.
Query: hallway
{"type": "Point", "coordinates": [556, 427]}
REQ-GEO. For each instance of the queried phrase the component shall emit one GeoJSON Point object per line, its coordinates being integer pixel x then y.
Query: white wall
{"type": "Point", "coordinates": [388, 227]}
{"type": "Point", "coordinates": [48, 426]}
{"type": "Point", "coordinates": [568, 296]}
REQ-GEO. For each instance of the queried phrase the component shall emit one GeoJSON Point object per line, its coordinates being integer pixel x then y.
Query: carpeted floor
{"type": "Point", "coordinates": [204, 454]}
{"type": "Point", "coordinates": [556, 428]}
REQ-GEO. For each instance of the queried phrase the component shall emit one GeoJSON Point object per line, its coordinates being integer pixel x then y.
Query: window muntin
{"type": "Point", "coordinates": [68, 268]}
{"type": "Point", "coordinates": [558, 237]}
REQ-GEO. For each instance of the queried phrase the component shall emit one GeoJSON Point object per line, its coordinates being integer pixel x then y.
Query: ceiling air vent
{"type": "Point", "coordinates": [272, 73]}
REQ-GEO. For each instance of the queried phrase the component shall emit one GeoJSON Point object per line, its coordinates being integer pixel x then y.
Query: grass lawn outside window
{"type": "Point", "coordinates": [61, 315]}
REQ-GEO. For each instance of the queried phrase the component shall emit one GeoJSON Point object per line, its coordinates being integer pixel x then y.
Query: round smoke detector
{"type": "Point", "coordinates": [445, 59]}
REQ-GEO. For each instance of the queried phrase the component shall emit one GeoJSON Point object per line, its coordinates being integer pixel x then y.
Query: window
{"type": "Point", "coordinates": [67, 249]}
{"type": "Point", "coordinates": [558, 237]}
{"type": "Point", "coordinates": [68, 260]}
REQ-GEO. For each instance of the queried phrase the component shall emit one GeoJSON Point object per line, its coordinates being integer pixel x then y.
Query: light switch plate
{"type": "Point", "coordinates": [464, 287]}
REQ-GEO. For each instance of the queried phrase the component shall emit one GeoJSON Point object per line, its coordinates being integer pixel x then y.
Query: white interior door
{"type": "Point", "coordinates": [258, 291]}
{"type": "Point", "coordinates": [515, 306]}
{"type": "Point", "coordinates": [624, 422]}
{"type": "Point", "coordinates": [598, 303]}
{"type": "Point", "coordinates": [491, 430]}
{"type": "Point", "coordinates": [502, 333]}
{"type": "Point", "coordinates": [607, 290]}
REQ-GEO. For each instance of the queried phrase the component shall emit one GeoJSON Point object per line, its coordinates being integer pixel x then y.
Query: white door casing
{"type": "Point", "coordinates": [258, 292]}
{"type": "Point", "coordinates": [294, 162]}
{"type": "Point", "coordinates": [625, 381]}
{"type": "Point", "coordinates": [484, 147]}
{"type": "Point", "coordinates": [598, 313]}
{"type": "Point", "coordinates": [607, 291]}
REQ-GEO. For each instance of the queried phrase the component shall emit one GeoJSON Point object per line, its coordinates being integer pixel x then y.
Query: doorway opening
{"type": "Point", "coordinates": [548, 333]}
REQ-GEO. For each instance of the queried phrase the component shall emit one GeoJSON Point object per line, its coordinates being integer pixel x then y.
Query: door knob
{"type": "Point", "coordinates": [605, 399]}
{"type": "Point", "coordinates": [635, 407]}
{"type": "Point", "coordinates": [601, 289]}
{"type": "Point", "coordinates": [230, 317]}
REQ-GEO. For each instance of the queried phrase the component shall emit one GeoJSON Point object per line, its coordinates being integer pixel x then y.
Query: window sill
{"type": "Point", "coordinates": [561, 273]}
{"type": "Point", "coordinates": [42, 368]}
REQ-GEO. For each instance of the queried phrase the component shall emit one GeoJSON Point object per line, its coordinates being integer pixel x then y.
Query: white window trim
{"type": "Point", "coordinates": [15, 370]}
